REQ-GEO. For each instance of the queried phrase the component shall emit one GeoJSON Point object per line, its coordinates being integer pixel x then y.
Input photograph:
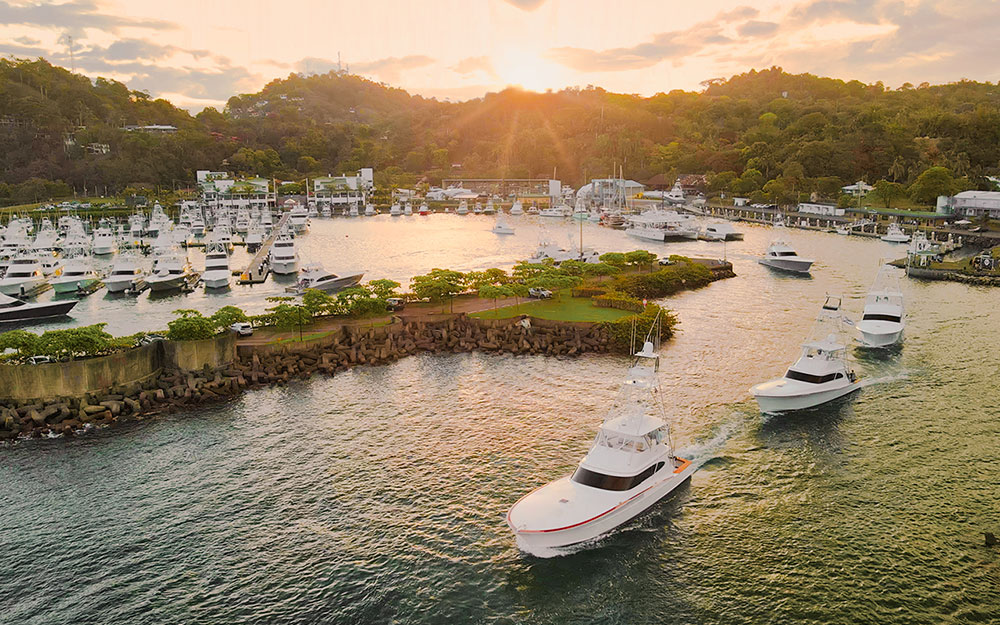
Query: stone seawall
{"type": "Point", "coordinates": [952, 276]}
{"type": "Point", "coordinates": [173, 387]}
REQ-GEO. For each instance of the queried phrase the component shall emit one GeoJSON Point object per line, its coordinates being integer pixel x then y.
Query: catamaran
{"type": "Point", "coordinates": [631, 466]}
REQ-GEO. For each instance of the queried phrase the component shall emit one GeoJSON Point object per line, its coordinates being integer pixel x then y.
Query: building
{"type": "Point", "coordinates": [153, 128]}
{"type": "Point", "coordinates": [609, 191]}
{"type": "Point", "coordinates": [821, 208]}
{"type": "Point", "coordinates": [221, 189]}
{"type": "Point", "coordinates": [343, 189]}
{"type": "Point", "coordinates": [858, 188]}
{"type": "Point", "coordinates": [972, 204]}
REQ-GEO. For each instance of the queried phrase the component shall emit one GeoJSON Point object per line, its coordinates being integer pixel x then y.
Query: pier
{"type": "Point", "coordinates": [256, 272]}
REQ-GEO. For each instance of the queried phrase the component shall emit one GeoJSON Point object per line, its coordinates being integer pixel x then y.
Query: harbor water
{"type": "Point", "coordinates": [378, 495]}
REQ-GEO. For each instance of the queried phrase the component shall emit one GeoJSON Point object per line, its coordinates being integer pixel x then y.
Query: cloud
{"type": "Point", "coordinates": [526, 5]}
{"type": "Point", "coordinates": [28, 41]}
{"type": "Point", "coordinates": [73, 17]}
{"type": "Point", "coordinates": [13, 49]}
{"type": "Point", "coordinates": [756, 28]}
{"type": "Point", "coordinates": [474, 64]}
{"type": "Point", "coordinates": [390, 68]}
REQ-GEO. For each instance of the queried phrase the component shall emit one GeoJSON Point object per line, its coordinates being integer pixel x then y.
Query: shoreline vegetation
{"type": "Point", "coordinates": [329, 334]}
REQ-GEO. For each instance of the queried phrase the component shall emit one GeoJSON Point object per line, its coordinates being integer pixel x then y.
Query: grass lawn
{"type": "Point", "coordinates": [565, 308]}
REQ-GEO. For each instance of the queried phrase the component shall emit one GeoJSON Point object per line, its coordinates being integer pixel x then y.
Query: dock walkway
{"type": "Point", "coordinates": [259, 267]}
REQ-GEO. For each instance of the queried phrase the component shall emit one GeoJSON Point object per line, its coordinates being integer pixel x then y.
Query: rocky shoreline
{"type": "Point", "coordinates": [256, 366]}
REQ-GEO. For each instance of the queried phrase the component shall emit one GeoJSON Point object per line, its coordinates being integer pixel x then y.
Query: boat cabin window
{"type": "Point", "coordinates": [613, 482]}
{"type": "Point", "coordinates": [880, 317]}
{"type": "Point", "coordinates": [792, 374]}
{"type": "Point", "coordinates": [779, 253]}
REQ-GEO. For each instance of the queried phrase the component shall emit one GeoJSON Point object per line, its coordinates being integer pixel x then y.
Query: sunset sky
{"type": "Point", "coordinates": [198, 53]}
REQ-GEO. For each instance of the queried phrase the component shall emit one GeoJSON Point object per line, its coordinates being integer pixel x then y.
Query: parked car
{"type": "Point", "coordinates": [151, 338]}
{"type": "Point", "coordinates": [539, 293]}
{"type": "Point", "coordinates": [242, 328]}
{"type": "Point", "coordinates": [39, 360]}
{"type": "Point", "coordinates": [665, 261]}
{"type": "Point", "coordinates": [395, 303]}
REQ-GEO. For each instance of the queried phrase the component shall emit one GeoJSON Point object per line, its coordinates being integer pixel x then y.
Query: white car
{"type": "Point", "coordinates": [242, 328]}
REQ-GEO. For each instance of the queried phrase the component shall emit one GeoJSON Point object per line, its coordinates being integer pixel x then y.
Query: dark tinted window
{"type": "Point", "coordinates": [791, 374]}
{"type": "Point", "coordinates": [786, 254]}
{"type": "Point", "coordinates": [613, 482]}
{"type": "Point", "coordinates": [879, 317]}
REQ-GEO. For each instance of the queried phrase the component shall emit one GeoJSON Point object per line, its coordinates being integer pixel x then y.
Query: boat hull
{"type": "Point", "coordinates": [17, 288]}
{"type": "Point", "coordinates": [284, 267]}
{"type": "Point", "coordinates": [542, 543]}
{"type": "Point", "coordinates": [37, 311]}
{"type": "Point", "coordinates": [776, 404]}
{"type": "Point", "coordinates": [881, 338]}
{"type": "Point", "coordinates": [168, 284]}
{"type": "Point", "coordinates": [217, 280]}
{"type": "Point", "coordinates": [791, 266]}
{"type": "Point", "coordinates": [118, 285]}
{"type": "Point", "coordinates": [72, 286]}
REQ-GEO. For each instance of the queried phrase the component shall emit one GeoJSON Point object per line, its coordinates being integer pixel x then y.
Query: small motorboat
{"type": "Point", "coordinates": [630, 467]}
{"type": "Point", "coordinates": [395, 210]}
{"type": "Point", "coordinates": [820, 374]}
{"type": "Point", "coordinates": [780, 255]}
{"type": "Point", "coordinates": [463, 208]}
{"type": "Point", "coordinates": [895, 234]}
{"type": "Point", "coordinates": [883, 319]}
{"type": "Point", "coordinates": [721, 231]}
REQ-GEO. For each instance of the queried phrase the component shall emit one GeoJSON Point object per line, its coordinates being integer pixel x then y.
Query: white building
{"type": "Point", "coordinates": [975, 204]}
{"type": "Point", "coordinates": [343, 189]}
{"type": "Point", "coordinates": [740, 201]}
{"type": "Point", "coordinates": [821, 208]}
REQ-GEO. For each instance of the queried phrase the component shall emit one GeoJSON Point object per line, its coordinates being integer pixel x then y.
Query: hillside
{"type": "Point", "coordinates": [808, 133]}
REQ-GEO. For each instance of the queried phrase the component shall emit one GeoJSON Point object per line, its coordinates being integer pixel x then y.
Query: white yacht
{"type": "Point", "coordinates": [516, 208]}
{"type": "Point", "coordinates": [477, 208]}
{"type": "Point", "coordinates": [553, 211]}
{"type": "Point", "coordinates": [463, 208]}
{"type": "Point", "coordinates": [284, 256]}
{"type": "Point", "coordinates": [883, 319]}
{"type": "Point", "coordinates": [77, 273]}
{"type": "Point", "coordinates": [424, 209]}
{"type": "Point", "coordinates": [104, 242]}
{"type": "Point", "coordinates": [395, 210]}
{"type": "Point", "coordinates": [781, 255]}
{"type": "Point", "coordinates": [312, 211]}
{"type": "Point", "coordinates": [12, 309]}
{"type": "Point", "coordinates": [489, 209]}
{"type": "Point", "coordinates": [819, 375]}
{"type": "Point", "coordinates": [369, 210]}
{"type": "Point", "coordinates": [630, 467]}
{"type": "Point", "coordinates": [170, 271]}
{"type": "Point", "coordinates": [326, 211]}
{"type": "Point", "coordinates": [217, 273]}
{"type": "Point", "coordinates": [47, 239]}
{"type": "Point", "coordinates": [501, 226]}
{"type": "Point", "coordinates": [533, 209]}
{"type": "Point", "coordinates": [163, 242]}
{"type": "Point", "coordinates": [407, 209]}
{"type": "Point", "coordinates": [23, 276]}
{"type": "Point", "coordinates": [314, 276]}
{"type": "Point", "coordinates": [721, 231]}
{"type": "Point", "coordinates": [254, 237]}
{"type": "Point", "coordinates": [895, 234]}
{"type": "Point", "coordinates": [126, 269]}
{"type": "Point", "coordinates": [299, 218]}
{"type": "Point", "coordinates": [136, 226]}
{"type": "Point", "coordinates": [242, 221]}
{"type": "Point", "coordinates": [266, 220]}
{"type": "Point", "coordinates": [661, 225]}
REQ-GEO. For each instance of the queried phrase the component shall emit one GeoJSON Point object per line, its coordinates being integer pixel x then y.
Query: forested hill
{"type": "Point", "coordinates": [807, 132]}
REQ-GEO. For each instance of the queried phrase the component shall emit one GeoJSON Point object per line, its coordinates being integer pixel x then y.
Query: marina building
{"type": "Point", "coordinates": [821, 208]}
{"type": "Point", "coordinates": [222, 189]}
{"type": "Point", "coordinates": [534, 188]}
{"type": "Point", "coordinates": [345, 188]}
{"type": "Point", "coordinates": [972, 204]}
{"type": "Point", "coordinates": [858, 188]}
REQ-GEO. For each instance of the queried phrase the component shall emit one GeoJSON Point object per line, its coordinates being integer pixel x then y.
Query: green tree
{"type": "Point", "coordinates": [383, 289]}
{"type": "Point", "coordinates": [931, 183]}
{"type": "Point", "coordinates": [191, 325]}
{"type": "Point", "coordinates": [24, 343]}
{"type": "Point", "coordinates": [494, 292]}
{"type": "Point", "coordinates": [640, 258]}
{"type": "Point", "coordinates": [887, 191]}
{"type": "Point", "coordinates": [615, 259]}
{"type": "Point", "coordinates": [227, 316]}
{"type": "Point", "coordinates": [438, 285]}
{"type": "Point", "coordinates": [288, 315]}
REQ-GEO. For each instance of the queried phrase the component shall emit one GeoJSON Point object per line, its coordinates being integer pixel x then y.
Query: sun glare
{"type": "Point", "coordinates": [527, 68]}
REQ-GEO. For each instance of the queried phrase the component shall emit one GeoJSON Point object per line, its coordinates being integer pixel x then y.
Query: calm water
{"type": "Point", "coordinates": [378, 496]}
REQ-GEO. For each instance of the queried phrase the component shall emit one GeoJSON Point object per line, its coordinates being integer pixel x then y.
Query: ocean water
{"type": "Point", "coordinates": [378, 495]}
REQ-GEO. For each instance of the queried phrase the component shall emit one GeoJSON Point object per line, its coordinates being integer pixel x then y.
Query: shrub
{"type": "Point", "coordinates": [623, 330]}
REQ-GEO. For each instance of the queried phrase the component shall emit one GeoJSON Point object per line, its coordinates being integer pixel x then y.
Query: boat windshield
{"type": "Point", "coordinates": [792, 374]}
{"type": "Point", "coordinates": [880, 317]}
{"type": "Point", "coordinates": [784, 253]}
{"type": "Point", "coordinates": [613, 482]}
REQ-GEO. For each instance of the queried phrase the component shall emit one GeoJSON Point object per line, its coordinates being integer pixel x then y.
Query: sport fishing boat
{"type": "Point", "coordinates": [284, 256]}
{"type": "Point", "coordinates": [424, 209]}
{"type": "Point", "coordinates": [463, 208]}
{"type": "Point", "coordinates": [895, 234]}
{"type": "Point", "coordinates": [517, 208]}
{"type": "Point", "coordinates": [630, 467]}
{"type": "Point", "coordinates": [126, 270]}
{"type": "Point", "coordinates": [299, 218]}
{"type": "Point", "coordinates": [489, 209]}
{"type": "Point", "coordinates": [13, 309]}
{"type": "Point", "coordinates": [314, 276]}
{"type": "Point", "coordinates": [408, 209]}
{"type": "Point", "coordinates": [170, 271]}
{"type": "Point", "coordinates": [77, 273]}
{"type": "Point", "coordinates": [369, 210]}
{"type": "Point", "coordinates": [24, 275]}
{"type": "Point", "coordinates": [395, 210]}
{"type": "Point", "coordinates": [104, 242]}
{"type": "Point", "coordinates": [820, 374]}
{"type": "Point", "coordinates": [882, 321]}
{"type": "Point", "coordinates": [217, 273]}
{"type": "Point", "coordinates": [501, 226]}
{"type": "Point", "coordinates": [254, 237]}
{"type": "Point", "coordinates": [781, 255]}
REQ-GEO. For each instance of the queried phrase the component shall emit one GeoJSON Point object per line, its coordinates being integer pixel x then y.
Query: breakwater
{"type": "Point", "coordinates": [951, 276]}
{"type": "Point", "coordinates": [175, 384]}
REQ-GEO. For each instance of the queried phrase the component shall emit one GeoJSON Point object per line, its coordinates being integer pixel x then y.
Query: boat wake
{"type": "Point", "coordinates": [896, 377]}
{"type": "Point", "coordinates": [704, 449]}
